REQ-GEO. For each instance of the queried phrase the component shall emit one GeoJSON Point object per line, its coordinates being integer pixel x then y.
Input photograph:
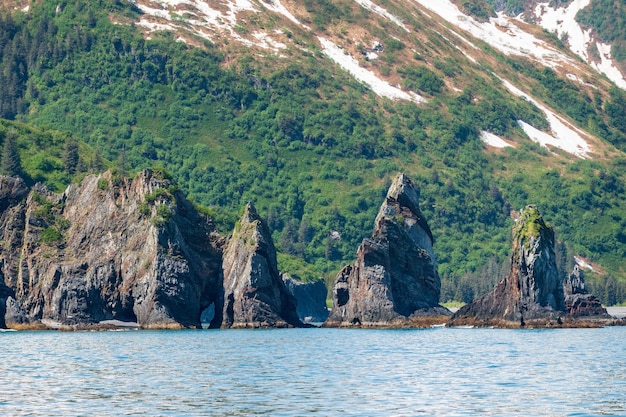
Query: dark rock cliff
{"type": "Point", "coordinates": [254, 293]}
{"type": "Point", "coordinates": [578, 301]}
{"type": "Point", "coordinates": [109, 248]}
{"type": "Point", "coordinates": [311, 298]}
{"type": "Point", "coordinates": [394, 281]}
{"type": "Point", "coordinates": [532, 293]}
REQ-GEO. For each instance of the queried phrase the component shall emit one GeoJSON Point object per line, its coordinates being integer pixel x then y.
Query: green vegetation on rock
{"type": "Point", "coordinates": [530, 226]}
{"type": "Point", "coordinates": [530, 223]}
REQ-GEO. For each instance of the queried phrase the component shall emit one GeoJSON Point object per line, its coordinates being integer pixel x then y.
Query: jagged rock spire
{"type": "Point", "coordinates": [532, 293]}
{"type": "Point", "coordinates": [578, 301]}
{"type": "Point", "coordinates": [254, 293]}
{"type": "Point", "coordinates": [394, 280]}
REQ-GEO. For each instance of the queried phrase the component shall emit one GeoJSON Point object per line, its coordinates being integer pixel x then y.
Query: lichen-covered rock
{"type": "Point", "coordinates": [310, 297]}
{"type": "Point", "coordinates": [394, 281]}
{"type": "Point", "coordinates": [254, 293]}
{"type": "Point", "coordinates": [532, 293]}
{"type": "Point", "coordinates": [578, 301]}
{"type": "Point", "coordinates": [109, 248]}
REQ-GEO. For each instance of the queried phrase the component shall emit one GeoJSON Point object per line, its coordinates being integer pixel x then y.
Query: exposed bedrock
{"type": "Point", "coordinates": [109, 248]}
{"type": "Point", "coordinates": [394, 280]}
{"type": "Point", "coordinates": [254, 293]}
{"type": "Point", "coordinates": [532, 294]}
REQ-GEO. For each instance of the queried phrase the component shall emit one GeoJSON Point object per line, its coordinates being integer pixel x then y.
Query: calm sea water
{"type": "Point", "coordinates": [321, 372]}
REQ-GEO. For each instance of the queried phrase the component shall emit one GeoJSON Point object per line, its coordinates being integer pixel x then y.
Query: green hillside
{"type": "Point", "coordinates": [313, 148]}
{"type": "Point", "coordinates": [608, 19]}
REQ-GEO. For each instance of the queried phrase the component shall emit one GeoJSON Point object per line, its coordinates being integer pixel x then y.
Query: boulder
{"type": "Point", "coordinates": [532, 293]}
{"type": "Point", "coordinates": [310, 297]}
{"type": "Point", "coordinates": [578, 301]}
{"type": "Point", "coordinates": [109, 248]}
{"type": "Point", "coordinates": [254, 293]}
{"type": "Point", "coordinates": [394, 280]}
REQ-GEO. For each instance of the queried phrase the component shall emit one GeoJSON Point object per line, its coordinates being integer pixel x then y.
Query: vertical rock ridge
{"type": "Point", "coordinates": [532, 293]}
{"type": "Point", "coordinates": [578, 301]}
{"type": "Point", "coordinates": [254, 293]}
{"type": "Point", "coordinates": [394, 280]}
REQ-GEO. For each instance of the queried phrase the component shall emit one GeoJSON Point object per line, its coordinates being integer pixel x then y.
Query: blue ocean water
{"type": "Point", "coordinates": [316, 372]}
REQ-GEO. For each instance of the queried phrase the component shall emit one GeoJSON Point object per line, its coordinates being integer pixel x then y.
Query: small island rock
{"type": "Point", "coordinates": [108, 249]}
{"type": "Point", "coordinates": [311, 298]}
{"type": "Point", "coordinates": [578, 301]}
{"type": "Point", "coordinates": [394, 281]}
{"type": "Point", "coordinates": [254, 293]}
{"type": "Point", "coordinates": [532, 293]}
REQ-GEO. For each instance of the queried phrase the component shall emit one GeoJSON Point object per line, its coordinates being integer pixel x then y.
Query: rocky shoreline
{"type": "Point", "coordinates": [120, 253]}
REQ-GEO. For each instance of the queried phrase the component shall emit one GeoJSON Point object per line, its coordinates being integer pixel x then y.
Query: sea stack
{"type": "Point", "coordinates": [531, 295]}
{"type": "Point", "coordinates": [394, 280]}
{"type": "Point", "coordinates": [254, 293]}
{"type": "Point", "coordinates": [578, 301]}
{"type": "Point", "coordinates": [108, 250]}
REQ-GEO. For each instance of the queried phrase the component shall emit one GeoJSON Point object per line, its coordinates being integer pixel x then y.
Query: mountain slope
{"type": "Point", "coordinates": [309, 108]}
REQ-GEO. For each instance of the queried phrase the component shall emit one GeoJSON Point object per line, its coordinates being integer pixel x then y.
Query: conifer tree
{"type": "Point", "coordinates": [10, 164]}
{"type": "Point", "coordinates": [97, 164]}
{"type": "Point", "coordinates": [70, 156]}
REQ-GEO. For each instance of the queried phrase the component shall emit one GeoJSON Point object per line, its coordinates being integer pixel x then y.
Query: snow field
{"type": "Point", "coordinates": [493, 140]}
{"type": "Point", "coordinates": [564, 135]}
{"type": "Point", "coordinates": [563, 21]}
{"type": "Point", "coordinates": [351, 65]}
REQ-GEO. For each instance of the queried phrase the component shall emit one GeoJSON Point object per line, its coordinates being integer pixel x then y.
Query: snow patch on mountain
{"type": "Point", "coordinates": [501, 33]}
{"type": "Point", "coordinates": [277, 6]}
{"type": "Point", "coordinates": [265, 39]}
{"type": "Point", "coordinates": [367, 4]}
{"type": "Point", "coordinates": [493, 140]}
{"type": "Point", "coordinates": [206, 21]}
{"type": "Point", "coordinates": [563, 21]}
{"type": "Point", "coordinates": [351, 65]}
{"type": "Point", "coordinates": [564, 136]}
{"type": "Point", "coordinates": [155, 27]}
{"type": "Point", "coordinates": [583, 264]}
{"type": "Point", "coordinates": [607, 66]}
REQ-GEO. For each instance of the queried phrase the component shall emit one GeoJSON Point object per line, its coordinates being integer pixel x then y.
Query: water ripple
{"type": "Point", "coordinates": [317, 372]}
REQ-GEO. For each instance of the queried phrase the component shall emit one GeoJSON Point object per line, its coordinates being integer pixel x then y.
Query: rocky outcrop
{"type": "Point", "coordinates": [254, 293]}
{"type": "Point", "coordinates": [108, 249]}
{"type": "Point", "coordinates": [578, 301]}
{"type": "Point", "coordinates": [310, 297]}
{"type": "Point", "coordinates": [394, 281]}
{"type": "Point", "coordinates": [532, 293]}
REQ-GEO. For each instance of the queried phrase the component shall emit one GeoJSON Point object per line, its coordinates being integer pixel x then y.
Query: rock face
{"type": "Point", "coordinates": [110, 248]}
{"type": "Point", "coordinates": [532, 293]}
{"type": "Point", "coordinates": [254, 293]}
{"type": "Point", "coordinates": [394, 281]}
{"type": "Point", "coordinates": [578, 301]}
{"type": "Point", "coordinates": [310, 297]}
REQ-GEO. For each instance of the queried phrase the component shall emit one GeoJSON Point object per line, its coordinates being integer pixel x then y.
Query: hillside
{"type": "Point", "coordinates": [309, 108]}
{"type": "Point", "coordinates": [595, 30]}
